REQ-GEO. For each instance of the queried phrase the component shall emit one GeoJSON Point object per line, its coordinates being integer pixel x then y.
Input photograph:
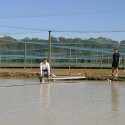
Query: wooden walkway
{"type": "Point", "coordinates": [63, 78]}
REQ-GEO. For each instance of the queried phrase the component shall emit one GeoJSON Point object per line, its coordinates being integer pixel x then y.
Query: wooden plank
{"type": "Point", "coordinates": [63, 78]}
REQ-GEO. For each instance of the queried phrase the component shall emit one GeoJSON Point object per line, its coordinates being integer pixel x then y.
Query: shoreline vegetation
{"type": "Point", "coordinates": [90, 74]}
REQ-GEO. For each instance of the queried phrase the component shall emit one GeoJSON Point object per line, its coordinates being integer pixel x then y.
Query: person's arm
{"type": "Point", "coordinates": [48, 70]}
{"type": "Point", "coordinates": [112, 57]}
{"type": "Point", "coordinates": [119, 59]}
{"type": "Point", "coordinates": [40, 69]}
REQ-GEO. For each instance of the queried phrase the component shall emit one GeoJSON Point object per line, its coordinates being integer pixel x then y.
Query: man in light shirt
{"type": "Point", "coordinates": [44, 69]}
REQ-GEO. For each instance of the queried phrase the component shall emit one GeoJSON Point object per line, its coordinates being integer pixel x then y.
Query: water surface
{"type": "Point", "coordinates": [27, 102]}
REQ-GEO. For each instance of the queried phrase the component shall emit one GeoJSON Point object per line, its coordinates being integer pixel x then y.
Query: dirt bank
{"type": "Point", "coordinates": [34, 72]}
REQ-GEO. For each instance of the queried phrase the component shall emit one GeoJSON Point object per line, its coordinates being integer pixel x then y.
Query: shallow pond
{"type": "Point", "coordinates": [27, 102]}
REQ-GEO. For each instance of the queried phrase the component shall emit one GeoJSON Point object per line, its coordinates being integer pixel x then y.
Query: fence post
{"type": "Point", "coordinates": [24, 54]}
{"type": "Point", "coordinates": [69, 57]}
{"type": "Point", "coordinates": [49, 49]}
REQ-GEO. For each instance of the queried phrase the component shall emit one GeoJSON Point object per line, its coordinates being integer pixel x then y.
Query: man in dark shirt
{"type": "Point", "coordinates": [115, 62]}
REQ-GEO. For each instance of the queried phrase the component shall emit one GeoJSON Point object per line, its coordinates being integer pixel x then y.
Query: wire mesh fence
{"type": "Point", "coordinates": [64, 52]}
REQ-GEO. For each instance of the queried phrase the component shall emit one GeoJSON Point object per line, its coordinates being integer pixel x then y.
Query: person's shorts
{"type": "Point", "coordinates": [115, 64]}
{"type": "Point", "coordinates": [45, 73]}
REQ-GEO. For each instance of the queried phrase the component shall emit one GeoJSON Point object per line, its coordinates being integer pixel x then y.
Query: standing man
{"type": "Point", "coordinates": [115, 62]}
{"type": "Point", "coordinates": [44, 69]}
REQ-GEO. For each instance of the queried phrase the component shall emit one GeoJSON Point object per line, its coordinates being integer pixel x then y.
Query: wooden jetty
{"type": "Point", "coordinates": [62, 78]}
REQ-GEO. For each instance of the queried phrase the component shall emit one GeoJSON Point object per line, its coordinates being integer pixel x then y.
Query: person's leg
{"type": "Point", "coordinates": [43, 73]}
{"type": "Point", "coordinates": [116, 71]}
{"type": "Point", "coordinates": [117, 65]}
{"type": "Point", "coordinates": [112, 70]}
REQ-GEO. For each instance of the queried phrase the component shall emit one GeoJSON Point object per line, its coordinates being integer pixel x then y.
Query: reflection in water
{"type": "Point", "coordinates": [45, 102]}
{"type": "Point", "coordinates": [115, 101]}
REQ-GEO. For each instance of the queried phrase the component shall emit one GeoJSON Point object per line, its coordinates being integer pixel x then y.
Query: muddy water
{"type": "Point", "coordinates": [27, 102]}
